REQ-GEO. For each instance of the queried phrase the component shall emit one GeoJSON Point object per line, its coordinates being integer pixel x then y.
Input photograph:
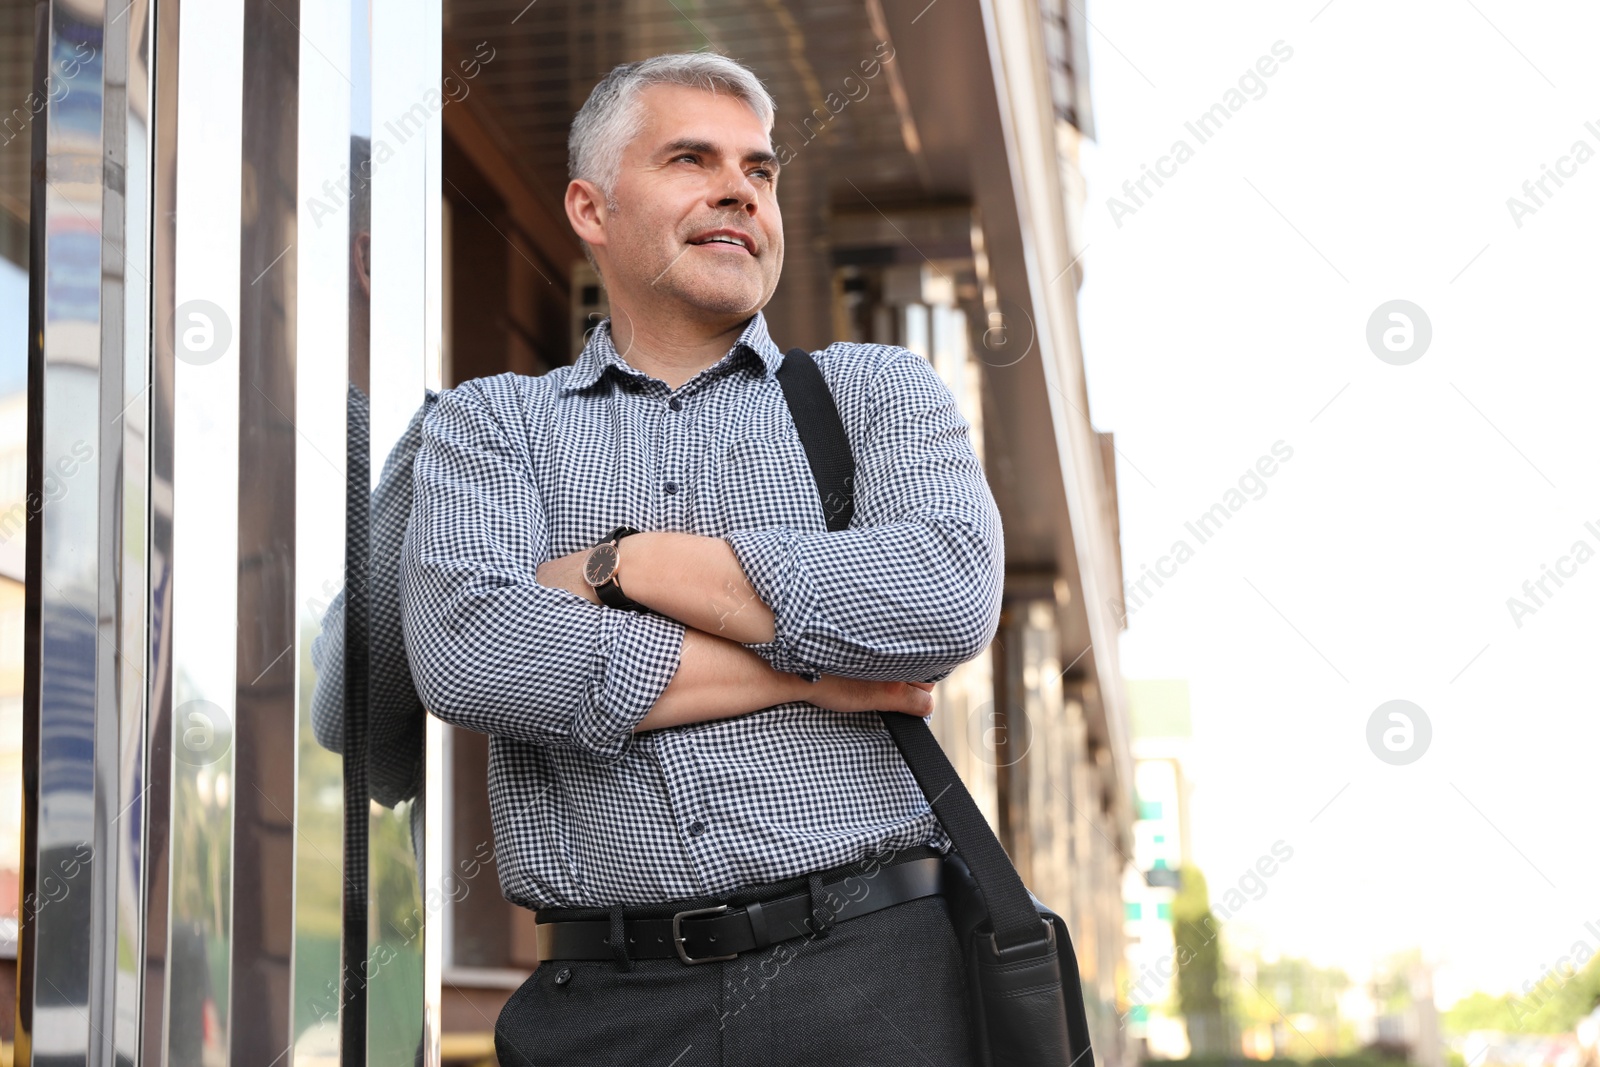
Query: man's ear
{"type": "Point", "coordinates": [586, 211]}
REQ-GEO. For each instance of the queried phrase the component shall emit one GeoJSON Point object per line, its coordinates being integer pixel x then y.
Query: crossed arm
{"type": "Point", "coordinates": [861, 619]}
{"type": "Point", "coordinates": [698, 582]}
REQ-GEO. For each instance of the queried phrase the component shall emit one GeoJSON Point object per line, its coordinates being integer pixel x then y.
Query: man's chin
{"type": "Point", "coordinates": [712, 301]}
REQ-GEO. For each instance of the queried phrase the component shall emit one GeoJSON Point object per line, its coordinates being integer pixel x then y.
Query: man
{"type": "Point", "coordinates": [684, 717]}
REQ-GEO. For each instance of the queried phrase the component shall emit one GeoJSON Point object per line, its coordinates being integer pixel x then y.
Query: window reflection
{"type": "Point", "coordinates": [363, 704]}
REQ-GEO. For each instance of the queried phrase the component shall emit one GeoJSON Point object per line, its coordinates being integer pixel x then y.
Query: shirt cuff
{"type": "Point", "coordinates": [770, 559]}
{"type": "Point", "coordinates": [636, 656]}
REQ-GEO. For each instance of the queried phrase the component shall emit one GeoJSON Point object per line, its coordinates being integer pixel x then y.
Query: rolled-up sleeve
{"type": "Point", "coordinates": [492, 650]}
{"type": "Point", "coordinates": [912, 589]}
{"type": "Point", "coordinates": [327, 697]}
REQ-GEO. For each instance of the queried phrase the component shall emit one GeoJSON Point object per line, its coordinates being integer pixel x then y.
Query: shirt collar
{"type": "Point", "coordinates": [599, 353]}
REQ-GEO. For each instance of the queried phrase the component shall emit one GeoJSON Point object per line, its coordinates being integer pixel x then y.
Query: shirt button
{"type": "Point", "coordinates": [562, 976]}
{"type": "Point", "coordinates": [675, 404]}
{"type": "Point", "coordinates": [697, 828]}
{"type": "Point", "coordinates": [671, 487]}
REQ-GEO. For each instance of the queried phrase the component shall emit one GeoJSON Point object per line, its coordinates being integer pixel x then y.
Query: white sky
{"type": "Point", "coordinates": [1378, 563]}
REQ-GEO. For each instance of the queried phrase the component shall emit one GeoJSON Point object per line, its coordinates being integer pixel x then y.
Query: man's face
{"type": "Point", "coordinates": [696, 221]}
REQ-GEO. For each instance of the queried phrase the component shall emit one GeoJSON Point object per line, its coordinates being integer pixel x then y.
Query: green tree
{"type": "Point", "coordinates": [1199, 954]}
{"type": "Point", "coordinates": [1550, 1004]}
{"type": "Point", "coordinates": [1479, 1011]}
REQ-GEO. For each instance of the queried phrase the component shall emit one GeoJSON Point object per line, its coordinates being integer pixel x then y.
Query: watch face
{"type": "Point", "coordinates": [601, 564]}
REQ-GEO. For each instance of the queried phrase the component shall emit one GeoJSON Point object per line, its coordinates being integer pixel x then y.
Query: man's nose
{"type": "Point", "coordinates": [737, 190]}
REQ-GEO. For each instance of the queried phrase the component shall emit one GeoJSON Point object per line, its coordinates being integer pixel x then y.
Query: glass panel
{"type": "Point", "coordinates": [58, 893]}
{"type": "Point", "coordinates": [158, 796]}
{"type": "Point", "coordinates": [204, 570]}
{"type": "Point", "coordinates": [124, 521]}
{"type": "Point", "coordinates": [16, 506]}
{"type": "Point", "coordinates": [324, 400]}
{"type": "Point", "coordinates": [404, 132]}
{"type": "Point", "coordinates": [393, 351]}
{"type": "Point", "coordinates": [269, 461]}
{"type": "Point", "coordinates": [331, 958]}
{"type": "Point", "coordinates": [354, 933]}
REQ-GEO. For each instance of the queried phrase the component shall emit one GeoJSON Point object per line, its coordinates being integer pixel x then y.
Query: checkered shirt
{"type": "Point", "coordinates": [515, 470]}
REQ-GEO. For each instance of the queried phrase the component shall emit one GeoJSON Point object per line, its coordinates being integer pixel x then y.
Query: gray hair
{"type": "Point", "coordinates": [612, 117]}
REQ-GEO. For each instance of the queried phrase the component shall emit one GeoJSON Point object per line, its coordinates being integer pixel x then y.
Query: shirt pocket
{"type": "Point", "coordinates": [765, 481]}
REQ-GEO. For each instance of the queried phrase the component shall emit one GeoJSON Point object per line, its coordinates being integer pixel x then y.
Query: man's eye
{"type": "Point", "coordinates": [763, 173]}
{"type": "Point", "coordinates": [691, 158]}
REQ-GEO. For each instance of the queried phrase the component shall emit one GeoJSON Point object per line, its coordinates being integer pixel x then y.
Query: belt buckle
{"type": "Point", "coordinates": [677, 934]}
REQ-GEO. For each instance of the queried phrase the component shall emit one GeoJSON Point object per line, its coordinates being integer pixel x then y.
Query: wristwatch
{"type": "Point", "coordinates": [600, 571]}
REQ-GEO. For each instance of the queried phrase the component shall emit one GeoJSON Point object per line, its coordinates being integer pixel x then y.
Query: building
{"type": "Point", "coordinates": [208, 284]}
{"type": "Point", "coordinates": [1159, 718]}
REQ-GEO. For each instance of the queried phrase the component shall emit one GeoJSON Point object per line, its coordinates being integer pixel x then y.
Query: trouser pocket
{"type": "Point", "coordinates": [516, 1030]}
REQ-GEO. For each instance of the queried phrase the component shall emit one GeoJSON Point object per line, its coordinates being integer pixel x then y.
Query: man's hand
{"type": "Point", "coordinates": [566, 572]}
{"type": "Point", "coordinates": [833, 693]}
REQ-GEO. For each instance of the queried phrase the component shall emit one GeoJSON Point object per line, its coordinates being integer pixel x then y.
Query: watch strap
{"type": "Point", "coordinates": [612, 596]}
{"type": "Point", "coordinates": [610, 593]}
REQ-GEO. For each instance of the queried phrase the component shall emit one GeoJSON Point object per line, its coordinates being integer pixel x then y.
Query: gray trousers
{"type": "Point", "coordinates": [879, 990]}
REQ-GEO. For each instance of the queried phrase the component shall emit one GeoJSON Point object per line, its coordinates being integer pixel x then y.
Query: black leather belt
{"type": "Point", "coordinates": [704, 935]}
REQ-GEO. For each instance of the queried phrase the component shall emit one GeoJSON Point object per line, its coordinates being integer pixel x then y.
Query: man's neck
{"type": "Point", "coordinates": [673, 350]}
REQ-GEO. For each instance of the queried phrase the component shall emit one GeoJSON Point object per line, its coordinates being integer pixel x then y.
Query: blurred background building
{"type": "Point", "coordinates": [1159, 719]}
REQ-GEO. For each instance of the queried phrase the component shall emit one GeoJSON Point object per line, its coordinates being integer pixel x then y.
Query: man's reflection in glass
{"type": "Point", "coordinates": [364, 705]}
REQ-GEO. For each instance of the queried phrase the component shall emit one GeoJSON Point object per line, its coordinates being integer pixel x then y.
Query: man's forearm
{"type": "Point", "coordinates": [718, 679]}
{"type": "Point", "coordinates": [916, 630]}
{"type": "Point", "coordinates": [697, 581]}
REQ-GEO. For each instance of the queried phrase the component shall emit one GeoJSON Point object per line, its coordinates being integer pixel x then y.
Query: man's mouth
{"type": "Point", "coordinates": [733, 239]}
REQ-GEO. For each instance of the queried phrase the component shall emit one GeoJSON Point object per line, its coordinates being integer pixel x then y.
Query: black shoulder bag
{"type": "Point", "coordinates": [1026, 995]}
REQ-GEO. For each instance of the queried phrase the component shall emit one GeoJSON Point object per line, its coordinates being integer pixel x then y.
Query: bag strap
{"type": "Point", "coordinates": [1015, 920]}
